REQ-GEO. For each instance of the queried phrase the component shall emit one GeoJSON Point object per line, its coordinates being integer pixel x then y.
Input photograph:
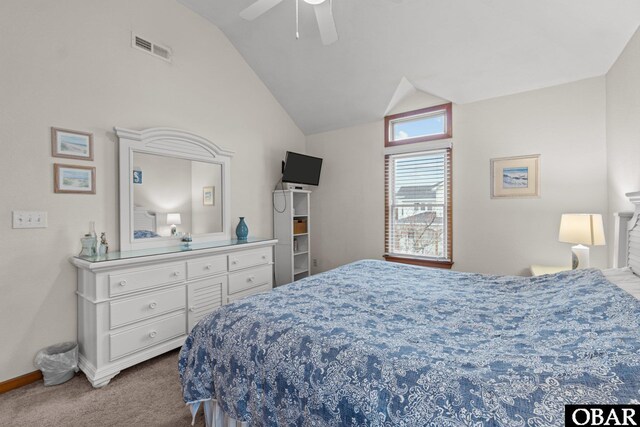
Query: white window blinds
{"type": "Point", "coordinates": [418, 205]}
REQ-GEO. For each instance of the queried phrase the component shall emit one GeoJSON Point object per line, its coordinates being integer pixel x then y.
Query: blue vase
{"type": "Point", "coordinates": [242, 231]}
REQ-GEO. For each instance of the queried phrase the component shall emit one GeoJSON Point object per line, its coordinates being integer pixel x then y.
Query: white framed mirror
{"type": "Point", "coordinates": [172, 184]}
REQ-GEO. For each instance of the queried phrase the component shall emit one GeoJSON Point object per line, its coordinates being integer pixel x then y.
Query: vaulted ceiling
{"type": "Point", "coordinates": [460, 50]}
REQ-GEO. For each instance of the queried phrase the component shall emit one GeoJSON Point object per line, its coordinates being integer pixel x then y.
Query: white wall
{"type": "Point", "coordinates": [623, 128]}
{"type": "Point", "coordinates": [206, 218]}
{"type": "Point", "coordinates": [565, 124]}
{"type": "Point", "coordinates": [69, 64]}
{"type": "Point", "coordinates": [347, 208]}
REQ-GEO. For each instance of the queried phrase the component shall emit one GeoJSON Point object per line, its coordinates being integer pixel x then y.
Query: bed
{"type": "Point", "coordinates": [383, 344]}
{"type": "Point", "coordinates": [144, 223]}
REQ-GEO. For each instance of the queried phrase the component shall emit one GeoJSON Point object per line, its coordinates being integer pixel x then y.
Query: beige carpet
{"type": "Point", "coordinates": [144, 395]}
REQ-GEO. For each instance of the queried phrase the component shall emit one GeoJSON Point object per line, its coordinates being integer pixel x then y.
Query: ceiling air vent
{"type": "Point", "coordinates": [154, 49]}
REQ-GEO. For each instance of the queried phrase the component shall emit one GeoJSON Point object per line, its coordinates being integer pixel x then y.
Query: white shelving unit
{"type": "Point", "coordinates": [293, 256]}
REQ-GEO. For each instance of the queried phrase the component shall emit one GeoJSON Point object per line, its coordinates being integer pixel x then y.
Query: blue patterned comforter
{"type": "Point", "coordinates": [144, 234]}
{"type": "Point", "coordinates": [382, 344]}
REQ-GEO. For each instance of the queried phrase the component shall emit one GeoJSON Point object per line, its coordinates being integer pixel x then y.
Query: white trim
{"type": "Point", "coordinates": [625, 225]}
{"type": "Point", "coordinates": [169, 134]}
{"type": "Point", "coordinates": [634, 197]}
{"type": "Point", "coordinates": [620, 244]}
{"type": "Point", "coordinates": [418, 146]}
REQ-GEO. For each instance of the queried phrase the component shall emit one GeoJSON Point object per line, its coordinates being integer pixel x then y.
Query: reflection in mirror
{"type": "Point", "coordinates": [185, 192]}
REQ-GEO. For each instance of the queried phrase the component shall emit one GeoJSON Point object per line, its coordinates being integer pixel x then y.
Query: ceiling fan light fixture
{"type": "Point", "coordinates": [323, 10]}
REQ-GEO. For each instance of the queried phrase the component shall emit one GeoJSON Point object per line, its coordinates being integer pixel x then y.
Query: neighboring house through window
{"type": "Point", "coordinates": [418, 187]}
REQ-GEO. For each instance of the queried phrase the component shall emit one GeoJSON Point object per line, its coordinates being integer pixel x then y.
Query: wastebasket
{"type": "Point", "coordinates": [58, 363]}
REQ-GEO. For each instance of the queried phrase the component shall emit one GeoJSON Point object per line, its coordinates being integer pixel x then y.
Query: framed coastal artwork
{"type": "Point", "coordinates": [515, 177]}
{"type": "Point", "coordinates": [208, 196]}
{"type": "Point", "coordinates": [74, 179]}
{"type": "Point", "coordinates": [71, 144]}
{"type": "Point", "coordinates": [137, 175]}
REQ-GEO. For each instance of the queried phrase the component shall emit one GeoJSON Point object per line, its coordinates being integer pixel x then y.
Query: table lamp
{"type": "Point", "coordinates": [173, 219]}
{"type": "Point", "coordinates": [581, 229]}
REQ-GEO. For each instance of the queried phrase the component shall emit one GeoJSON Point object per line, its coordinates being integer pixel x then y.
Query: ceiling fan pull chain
{"type": "Point", "coordinates": [297, 20]}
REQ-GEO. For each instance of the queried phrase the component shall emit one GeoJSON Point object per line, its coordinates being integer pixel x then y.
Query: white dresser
{"type": "Point", "coordinates": [135, 305]}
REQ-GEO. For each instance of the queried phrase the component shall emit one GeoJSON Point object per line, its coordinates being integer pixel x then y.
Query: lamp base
{"type": "Point", "coordinates": [174, 230]}
{"type": "Point", "coordinates": [580, 257]}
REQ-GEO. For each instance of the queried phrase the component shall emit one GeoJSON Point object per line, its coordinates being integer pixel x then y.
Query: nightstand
{"type": "Point", "coordinates": [539, 270]}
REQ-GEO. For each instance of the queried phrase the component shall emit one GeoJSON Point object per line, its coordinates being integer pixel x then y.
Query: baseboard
{"type": "Point", "coordinates": [20, 381]}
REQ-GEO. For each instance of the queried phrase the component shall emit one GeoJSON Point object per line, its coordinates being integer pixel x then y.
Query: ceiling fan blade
{"type": "Point", "coordinates": [326, 24]}
{"type": "Point", "coordinates": [258, 8]}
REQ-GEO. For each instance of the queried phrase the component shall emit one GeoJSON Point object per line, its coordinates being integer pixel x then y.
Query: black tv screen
{"type": "Point", "coordinates": [301, 169]}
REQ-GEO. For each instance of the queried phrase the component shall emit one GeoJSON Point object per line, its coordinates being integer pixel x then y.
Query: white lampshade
{"type": "Point", "coordinates": [583, 229]}
{"type": "Point", "coordinates": [173, 219]}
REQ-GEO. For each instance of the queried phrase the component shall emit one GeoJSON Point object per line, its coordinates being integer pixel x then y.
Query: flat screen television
{"type": "Point", "coordinates": [301, 169]}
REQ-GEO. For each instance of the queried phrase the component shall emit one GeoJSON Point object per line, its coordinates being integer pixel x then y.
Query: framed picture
{"type": "Point", "coordinates": [515, 177]}
{"type": "Point", "coordinates": [208, 196]}
{"type": "Point", "coordinates": [74, 179]}
{"type": "Point", "coordinates": [71, 144]}
{"type": "Point", "coordinates": [137, 176]}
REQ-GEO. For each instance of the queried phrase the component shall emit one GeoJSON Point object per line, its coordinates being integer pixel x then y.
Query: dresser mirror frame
{"type": "Point", "coordinates": [176, 144]}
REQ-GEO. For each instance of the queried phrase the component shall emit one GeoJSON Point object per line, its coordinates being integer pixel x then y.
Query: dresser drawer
{"type": "Point", "coordinates": [208, 266]}
{"type": "Point", "coordinates": [248, 279]}
{"type": "Point", "coordinates": [140, 337]}
{"type": "Point", "coordinates": [240, 260]}
{"type": "Point", "coordinates": [120, 284]}
{"type": "Point", "coordinates": [203, 297]}
{"type": "Point", "coordinates": [146, 306]}
{"type": "Point", "coordinates": [252, 291]}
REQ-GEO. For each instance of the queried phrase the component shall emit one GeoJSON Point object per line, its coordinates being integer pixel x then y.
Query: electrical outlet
{"type": "Point", "coordinates": [29, 219]}
{"type": "Point", "coordinates": [315, 262]}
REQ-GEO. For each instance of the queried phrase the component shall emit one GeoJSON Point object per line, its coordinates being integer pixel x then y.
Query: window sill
{"type": "Point", "coordinates": [421, 262]}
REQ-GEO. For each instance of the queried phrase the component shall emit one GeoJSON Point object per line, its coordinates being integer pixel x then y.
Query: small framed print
{"type": "Point", "coordinates": [515, 177]}
{"type": "Point", "coordinates": [74, 179]}
{"type": "Point", "coordinates": [71, 144]}
{"type": "Point", "coordinates": [137, 176]}
{"type": "Point", "coordinates": [208, 196]}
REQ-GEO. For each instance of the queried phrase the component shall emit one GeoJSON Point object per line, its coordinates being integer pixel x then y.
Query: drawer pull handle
{"type": "Point", "coordinates": [176, 273]}
{"type": "Point", "coordinates": [208, 266]}
{"type": "Point", "coordinates": [153, 305]}
{"type": "Point", "coordinates": [152, 334]}
{"type": "Point", "coordinates": [264, 257]}
{"type": "Point", "coordinates": [192, 308]}
{"type": "Point", "coordinates": [234, 262]}
{"type": "Point", "coordinates": [123, 283]}
{"type": "Point", "coordinates": [251, 279]}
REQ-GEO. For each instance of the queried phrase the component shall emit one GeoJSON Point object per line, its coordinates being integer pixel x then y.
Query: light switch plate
{"type": "Point", "coordinates": [29, 219]}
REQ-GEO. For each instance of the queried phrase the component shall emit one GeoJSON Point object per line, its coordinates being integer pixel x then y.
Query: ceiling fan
{"type": "Point", "coordinates": [322, 9]}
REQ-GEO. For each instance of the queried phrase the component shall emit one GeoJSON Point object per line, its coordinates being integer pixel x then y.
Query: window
{"type": "Point", "coordinates": [427, 124]}
{"type": "Point", "coordinates": [418, 198]}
